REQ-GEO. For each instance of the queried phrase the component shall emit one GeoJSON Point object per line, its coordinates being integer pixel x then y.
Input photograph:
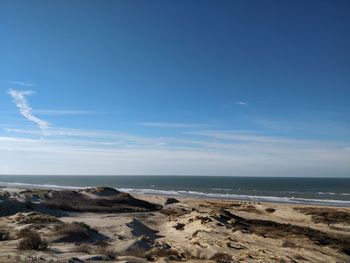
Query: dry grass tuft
{"type": "Point", "coordinates": [106, 250]}
{"type": "Point", "coordinates": [74, 228]}
{"type": "Point", "coordinates": [77, 232]}
{"type": "Point", "coordinates": [31, 240]}
{"type": "Point", "coordinates": [35, 218]}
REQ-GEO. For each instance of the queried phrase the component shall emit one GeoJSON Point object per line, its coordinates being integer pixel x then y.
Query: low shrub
{"type": "Point", "coordinates": [106, 250]}
{"type": "Point", "coordinates": [77, 232]}
{"type": "Point", "coordinates": [77, 228]}
{"type": "Point", "coordinates": [31, 240]}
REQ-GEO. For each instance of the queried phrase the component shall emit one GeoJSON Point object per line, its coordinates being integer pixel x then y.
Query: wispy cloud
{"type": "Point", "coordinates": [239, 136]}
{"type": "Point", "coordinates": [170, 125]}
{"type": "Point", "coordinates": [94, 136]}
{"type": "Point", "coordinates": [19, 98]}
{"type": "Point", "coordinates": [23, 83]}
{"type": "Point", "coordinates": [242, 103]}
{"type": "Point", "coordinates": [91, 156]}
{"type": "Point", "coordinates": [63, 112]}
{"type": "Point", "coordinates": [196, 150]}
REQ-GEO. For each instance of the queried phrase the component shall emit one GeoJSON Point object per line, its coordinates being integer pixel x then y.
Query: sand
{"type": "Point", "coordinates": [192, 230]}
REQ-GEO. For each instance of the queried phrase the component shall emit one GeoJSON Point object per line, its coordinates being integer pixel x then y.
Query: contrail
{"type": "Point", "coordinates": [19, 98]}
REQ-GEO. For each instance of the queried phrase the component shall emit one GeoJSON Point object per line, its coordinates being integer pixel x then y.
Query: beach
{"type": "Point", "coordinates": [103, 224]}
{"type": "Point", "coordinates": [174, 131]}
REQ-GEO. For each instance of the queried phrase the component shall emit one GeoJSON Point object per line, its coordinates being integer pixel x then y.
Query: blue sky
{"type": "Point", "coordinates": [244, 88]}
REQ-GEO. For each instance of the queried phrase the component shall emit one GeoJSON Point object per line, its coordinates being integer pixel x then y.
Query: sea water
{"type": "Point", "coordinates": [323, 191]}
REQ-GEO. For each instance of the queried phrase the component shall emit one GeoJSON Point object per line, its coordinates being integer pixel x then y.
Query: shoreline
{"type": "Point", "coordinates": [196, 195]}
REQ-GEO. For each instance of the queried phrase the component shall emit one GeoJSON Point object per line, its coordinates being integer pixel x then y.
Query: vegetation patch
{"type": "Point", "coordinates": [103, 248]}
{"type": "Point", "coordinates": [102, 191]}
{"type": "Point", "coordinates": [77, 232]}
{"type": "Point", "coordinates": [107, 200]}
{"type": "Point", "coordinates": [10, 207]}
{"type": "Point", "coordinates": [325, 215]}
{"type": "Point", "coordinates": [35, 193]}
{"type": "Point", "coordinates": [35, 218]}
{"type": "Point", "coordinates": [31, 240]}
{"type": "Point", "coordinates": [273, 229]}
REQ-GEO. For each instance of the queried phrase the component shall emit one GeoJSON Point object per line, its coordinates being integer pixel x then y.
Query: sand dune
{"type": "Point", "coordinates": [100, 224]}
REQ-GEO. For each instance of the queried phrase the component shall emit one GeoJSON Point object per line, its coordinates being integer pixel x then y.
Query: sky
{"type": "Point", "coordinates": [187, 87]}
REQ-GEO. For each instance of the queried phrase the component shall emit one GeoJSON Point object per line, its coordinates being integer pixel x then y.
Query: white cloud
{"type": "Point", "coordinates": [19, 98]}
{"type": "Point", "coordinates": [242, 103]}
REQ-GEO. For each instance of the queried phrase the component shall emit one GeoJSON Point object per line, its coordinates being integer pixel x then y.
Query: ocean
{"type": "Point", "coordinates": [322, 191]}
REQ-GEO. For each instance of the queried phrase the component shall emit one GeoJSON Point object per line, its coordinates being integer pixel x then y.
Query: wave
{"type": "Point", "coordinates": [256, 198]}
{"type": "Point", "coordinates": [222, 189]}
{"type": "Point", "coordinates": [326, 193]}
{"type": "Point", "coordinates": [331, 193]}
